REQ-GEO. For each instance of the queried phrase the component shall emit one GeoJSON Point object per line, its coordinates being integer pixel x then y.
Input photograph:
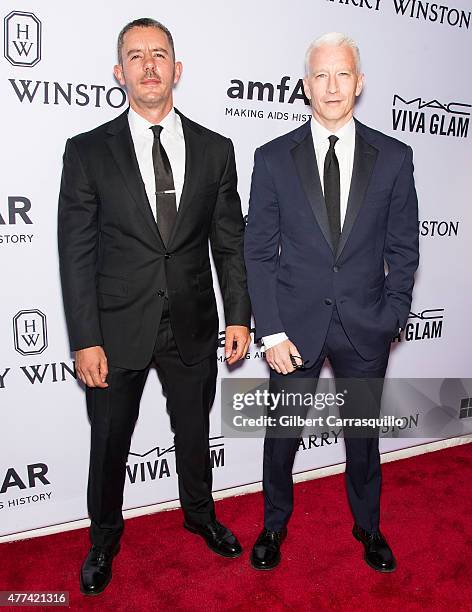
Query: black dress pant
{"type": "Point", "coordinates": [113, 411]}
{"type": "Point", "coordinates": [363, 475]}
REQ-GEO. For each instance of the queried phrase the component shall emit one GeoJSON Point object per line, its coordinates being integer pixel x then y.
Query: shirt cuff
{"type": "Point", "coordinates": [273, 339]}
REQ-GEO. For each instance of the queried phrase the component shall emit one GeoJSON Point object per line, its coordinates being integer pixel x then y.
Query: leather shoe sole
{"type": "Point", "coordinates": [215, 549]}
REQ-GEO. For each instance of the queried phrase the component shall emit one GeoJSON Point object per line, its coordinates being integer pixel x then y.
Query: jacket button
{"type": "Point", "coordinates": [335, 269]}
{"type": "Point", "coordinates": [328, 302]}
{"type": "Point", "coordinates": [161, 293]}
{"type": "Point", "coordinates": [167, 256]}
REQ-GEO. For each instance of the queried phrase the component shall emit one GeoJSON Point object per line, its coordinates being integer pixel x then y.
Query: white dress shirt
{"type": "Point", "coordinates": [344, 150]}
{"type": "Point", "coordinates": [172, 139]}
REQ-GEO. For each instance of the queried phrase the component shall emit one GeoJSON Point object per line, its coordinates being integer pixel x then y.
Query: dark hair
{"type": "Point", "coordinates": [144, 22]}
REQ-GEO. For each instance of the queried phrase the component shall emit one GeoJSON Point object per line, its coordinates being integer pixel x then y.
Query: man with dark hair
{"type": "Point", "coordinates": [333, 205]}
{"type": "Point", "coordinates": [144, 22]}
{"type": "Point", "coordinates": [141, 197]}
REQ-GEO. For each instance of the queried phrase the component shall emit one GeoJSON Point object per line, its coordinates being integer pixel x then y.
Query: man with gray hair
{"type": "Point", "coordinates": [333, 204]}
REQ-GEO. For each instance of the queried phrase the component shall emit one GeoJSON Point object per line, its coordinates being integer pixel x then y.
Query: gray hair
{"type": "Point", "coordinates": [334, 39]}
{"type": "Point", "coordinates": [144, 22]}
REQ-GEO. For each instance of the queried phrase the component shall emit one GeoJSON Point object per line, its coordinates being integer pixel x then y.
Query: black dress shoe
{"type": "Point", "coordinates": [378, 553]}
{"type": "Point", "coordinates": [218, 537]}
{"type": "Point", "coordinates": [265, 554]}
{"type": "Point", "coordinates": [95, 573]}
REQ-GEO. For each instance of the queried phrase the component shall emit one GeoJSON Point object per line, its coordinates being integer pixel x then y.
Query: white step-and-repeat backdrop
{"type": "Point", "coordinates": [243, 64]}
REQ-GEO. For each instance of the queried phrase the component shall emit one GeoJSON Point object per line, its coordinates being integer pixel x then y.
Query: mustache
{"type": "Point", "coordinates": [151, 74]}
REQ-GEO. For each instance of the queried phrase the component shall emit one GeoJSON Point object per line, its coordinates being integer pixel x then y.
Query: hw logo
{"type": "Point", "coordinates": [30, 332]}
{"type": "Point", "coordinates": [22, 39]}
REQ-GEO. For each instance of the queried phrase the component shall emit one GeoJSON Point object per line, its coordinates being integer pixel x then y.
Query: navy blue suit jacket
{"type": "Point", "coordinates": [296, 278]}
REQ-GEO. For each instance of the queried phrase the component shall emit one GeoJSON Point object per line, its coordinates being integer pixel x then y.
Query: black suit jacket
{"type": "Point", "coordinates": [114, 266]}
{"type": "Point", "coordinates": [295, 275]}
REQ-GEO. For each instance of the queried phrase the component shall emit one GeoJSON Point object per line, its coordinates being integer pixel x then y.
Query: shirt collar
{"type": "Point", "coordinates": [139, 125]}
{"type": "Point", "coordinates": [321, 134]}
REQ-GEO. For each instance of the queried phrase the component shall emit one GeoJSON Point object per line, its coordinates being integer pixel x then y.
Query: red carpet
{"type": "Point", "coordinates": [427, 518]}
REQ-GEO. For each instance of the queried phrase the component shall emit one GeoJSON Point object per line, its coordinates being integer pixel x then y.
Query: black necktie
{"type": "Point", "coordinates": [332, 191]}
{"type": "Point", "coordinates": [166, 204]}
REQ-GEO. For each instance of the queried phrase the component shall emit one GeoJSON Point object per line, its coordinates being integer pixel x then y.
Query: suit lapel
{"type": "Point", "coordinates": [305, 161]}
{"type": "Point", "coordinates": [122, 149]}
{"type": "Point", "coordinates": [195, 147]}
{"type": "Point", "coordinates": [365, 156]}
